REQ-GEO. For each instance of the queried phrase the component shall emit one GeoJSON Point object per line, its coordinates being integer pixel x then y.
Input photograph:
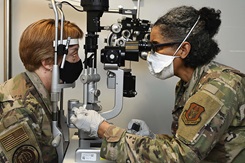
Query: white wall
{"type": "Point", "coordinates": [155, 98]}
{"type": "Point", "coordinates": [1, 40]}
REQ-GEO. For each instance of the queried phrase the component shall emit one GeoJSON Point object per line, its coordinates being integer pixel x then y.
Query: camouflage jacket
{"type": "Point", "coordinates": [25, 121]}
{"type": "Point", "coordinates": [208, 123]}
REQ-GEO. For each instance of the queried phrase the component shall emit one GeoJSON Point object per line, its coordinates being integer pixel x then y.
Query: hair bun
{"type": "Point", "coordinates": [211, 18]}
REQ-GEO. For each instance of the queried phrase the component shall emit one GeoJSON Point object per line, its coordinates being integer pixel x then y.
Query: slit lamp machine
{"type": "Point", "coordinates": [128, 41]}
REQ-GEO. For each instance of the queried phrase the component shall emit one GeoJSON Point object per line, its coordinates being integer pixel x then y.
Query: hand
{"type": "Point", "coordinates": [87, 120]}
{"type": "Point", "coordinates": [139, 127]}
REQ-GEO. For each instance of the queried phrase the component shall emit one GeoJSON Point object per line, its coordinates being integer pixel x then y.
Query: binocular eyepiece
{"type": "Point", "coordinates": [131, 52]}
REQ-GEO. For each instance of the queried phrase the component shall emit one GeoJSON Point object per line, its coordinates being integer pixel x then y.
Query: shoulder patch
{"type": "Point", "coordinates": [27, 154]}
{"type": "Point", "coordinates": [192, 116]}
{"type": "Point", "coordinates": [197, 113]}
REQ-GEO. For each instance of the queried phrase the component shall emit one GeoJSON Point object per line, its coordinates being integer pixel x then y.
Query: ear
{"type": "Point", "coordinates": [47, 64]}
{"type": "Point", "coordinates": [184, 50]}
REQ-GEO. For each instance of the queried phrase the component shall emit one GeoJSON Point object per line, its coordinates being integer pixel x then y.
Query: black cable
{"type": "Point", "coordinates": [72, 6]}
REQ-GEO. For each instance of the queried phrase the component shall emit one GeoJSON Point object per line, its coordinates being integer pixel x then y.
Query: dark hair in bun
{"type": "Point", "coordinates": [176, 24]}
{"type": "Point", "coordinates": [211, 18]}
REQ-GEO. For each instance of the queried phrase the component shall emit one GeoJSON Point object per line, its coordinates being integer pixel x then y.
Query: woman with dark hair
{"type": "Point", "coordinates": [208, 116]}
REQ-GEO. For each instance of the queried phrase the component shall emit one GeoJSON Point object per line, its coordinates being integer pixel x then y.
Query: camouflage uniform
{"type": "Point", "coordinates": [208, 123]}
{"type": "Point", "coordinates": [25, 121]}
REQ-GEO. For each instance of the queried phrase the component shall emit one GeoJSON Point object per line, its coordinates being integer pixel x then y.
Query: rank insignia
{"type": "Point", "coordinates": [192, 116]}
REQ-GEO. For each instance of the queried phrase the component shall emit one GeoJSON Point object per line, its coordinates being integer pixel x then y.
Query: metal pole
{"type": "Point", "coordinates": [7, 40]}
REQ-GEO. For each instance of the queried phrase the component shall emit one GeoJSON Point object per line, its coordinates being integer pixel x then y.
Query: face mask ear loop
{"type": "Point", "coordinates": [187, 35]}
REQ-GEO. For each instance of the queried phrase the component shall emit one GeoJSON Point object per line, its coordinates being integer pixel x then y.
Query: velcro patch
{"type": "Point", "coordinates": [198, 111]}
{"type": "Point", "coordinates": [13, 138]}
{"type": "Point", "coordinates": [27, 154]}
{"type": "Point", "coordinates": [192, 116]}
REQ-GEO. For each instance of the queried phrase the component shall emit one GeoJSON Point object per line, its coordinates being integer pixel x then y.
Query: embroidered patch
{"type": "Point", "coordinates": [13, 138]}
{"type": "Point", "coordinates": [206, 110]}
{"type": "Point", "coordinates": [192, 116]}
{"type": "Point", "coordinates": [27, 154]}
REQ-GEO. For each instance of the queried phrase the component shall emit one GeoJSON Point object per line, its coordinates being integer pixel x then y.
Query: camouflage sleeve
{"type": "Point", "coordinates": [204, 122]}
{"type": "Point", "coordinates": [207, 116]}
{"type": "Point", "coordinates": [120, 146]}
{"type": "Point", "coordinates": [22, 139]}
{"type": "Point", "coordinates": [18, 142]}
{"type": "Point", "coordinates": [25, 131]}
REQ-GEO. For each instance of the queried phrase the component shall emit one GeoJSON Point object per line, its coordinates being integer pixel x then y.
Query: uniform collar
{"type": "Point", "coordinates": [43, 92]}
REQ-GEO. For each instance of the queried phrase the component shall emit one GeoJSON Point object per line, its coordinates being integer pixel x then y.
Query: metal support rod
{"type": "Point", "coordinates": [7, 40]}
{"type": "Point", "coordinates": [138, 9]}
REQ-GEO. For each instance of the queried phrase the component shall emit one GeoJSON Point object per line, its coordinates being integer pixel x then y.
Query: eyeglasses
{"type": "Point", "coordinates": [155, 46]}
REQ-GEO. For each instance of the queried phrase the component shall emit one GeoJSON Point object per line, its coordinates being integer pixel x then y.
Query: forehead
{"type": "Point", "coordinates": [156, 35]}
{"type": "Point", "coordinates": [75, 46]}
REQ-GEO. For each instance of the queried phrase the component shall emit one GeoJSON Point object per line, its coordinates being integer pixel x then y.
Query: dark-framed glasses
{"type": "Point", "coordinates": [154, 47]}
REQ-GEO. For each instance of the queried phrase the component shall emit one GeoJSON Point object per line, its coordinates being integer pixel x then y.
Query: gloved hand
{"type": "Point", "coordinates": [139, 127]}
{"type": "Point", "coordinates": [87, 120]}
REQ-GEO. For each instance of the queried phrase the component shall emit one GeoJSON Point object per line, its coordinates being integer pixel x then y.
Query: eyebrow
{"type": "Point", "coordinates": [155, 42]}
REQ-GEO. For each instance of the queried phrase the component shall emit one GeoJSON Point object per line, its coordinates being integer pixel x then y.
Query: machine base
{"type": "Point", "coordinates": [88, 153]}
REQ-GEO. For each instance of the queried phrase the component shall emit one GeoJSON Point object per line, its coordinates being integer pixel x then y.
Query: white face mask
{"type": "Point", "coordinates": [161, 65]}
